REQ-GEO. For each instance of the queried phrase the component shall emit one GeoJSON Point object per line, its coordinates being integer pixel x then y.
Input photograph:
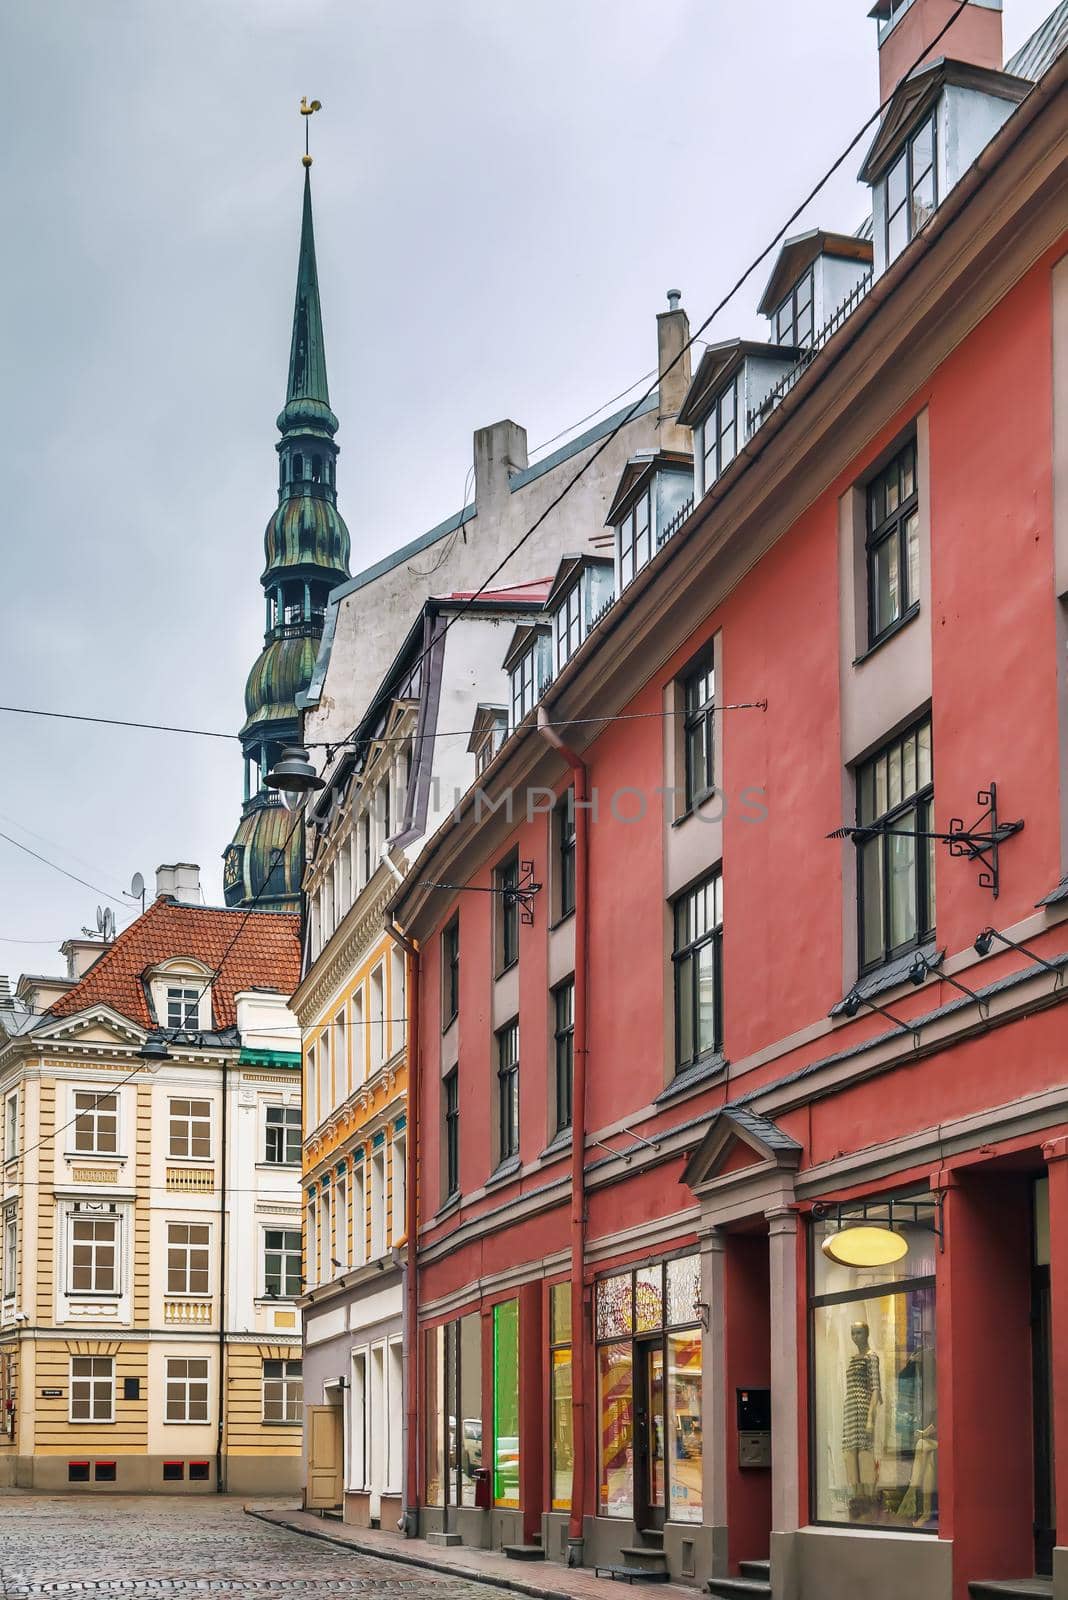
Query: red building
{"type": "Point", "coordinates": [677, 1044]}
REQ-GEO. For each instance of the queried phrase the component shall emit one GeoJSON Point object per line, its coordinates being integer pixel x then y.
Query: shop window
{"type": "Point", "coordinates": [435, 1416]}
{"type": "Point", "coordinates": [506, 1403]}
{"type": "Point", "coordinates": [874, 1435]}
{"type": "Point", "coordinates": [561, 1439]}
{"type": "Point", "coordinates": [649, 1359]}
{"type": "Point", "coordinates": [454, 1411]}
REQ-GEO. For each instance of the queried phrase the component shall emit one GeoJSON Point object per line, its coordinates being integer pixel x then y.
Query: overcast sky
{"type": "Point", "coordinates": [503, 193]}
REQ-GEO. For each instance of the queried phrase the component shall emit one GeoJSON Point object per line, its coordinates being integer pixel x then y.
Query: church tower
{"type": "Point", "coordinates": [306, 549]}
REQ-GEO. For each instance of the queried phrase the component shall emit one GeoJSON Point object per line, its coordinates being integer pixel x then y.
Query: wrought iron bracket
{"type": "Point", "coordinates": [983, 840]}
{"type": "Point", "coordinates": [522, 895]}
{"type": "Point", "coordinates": [917, 1213]}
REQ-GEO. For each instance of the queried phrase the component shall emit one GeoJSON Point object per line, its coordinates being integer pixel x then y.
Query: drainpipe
{"type": "Point", "coordinates": [221, 1392]}
{"type": "Point", "coordinates": [409, 1522]}
{"type": "Point", "coordinates": [580, 776]}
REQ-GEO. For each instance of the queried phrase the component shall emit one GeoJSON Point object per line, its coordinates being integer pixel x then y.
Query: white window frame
{"type": "Point", "coordinates": [326, 1230]}
{"type": "Point", "coordinates": [397, 1002]}
{"type": "Point", "coordinates": [341, 1221]}
{"type": "Point", "coordinates": [11, 1125]}
{"type": "Point", "coordinates": [288, 1381]}
{"type": "Point", "coordinates": [377, 990]}
{"type": "Point", "coordinates": [181, 994]}
{"type": "Point", "coordinates": [286, 1126]}
{"type": "Point", "coordinates": [189, 1119]}
{"type": "Point", "coordinates": [358, 1206]}
{"type": "Point", "coordinates": [285, 1252]}
{"type": "Point", "coordinates": [95, 1113]}
{"type": "Point", "coordinates": [93, 1379]}
{"type": "Point", "coordinates": [184, 1385]}
{"type": "Point", "coordinates": [340, 1056]}
{"type": "Point", "coordinates": [310, 1246]}
{"type": "Point", "coordinates": [188, 1248]}
{"type": "Point", "coordinates": [11, 1251]}
{"type": "Point", "coordinates": [400, 1169]}
{"type": "Point", "coordinates": [378, 1203]}
{"type": "Point", "coordinates": [81, 1213]}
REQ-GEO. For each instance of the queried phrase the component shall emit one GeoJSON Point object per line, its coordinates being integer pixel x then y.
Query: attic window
{"type": "Point", "coordinates": [183, 1007]}
{"type": "Point", "coordinates": [634, 540]}
{"type": "Point", "coordinates": [793, 322]}
{"type": "Point", "coordinates": [720, 433]}
{"type": "Point", "coordinates": [911, 189]}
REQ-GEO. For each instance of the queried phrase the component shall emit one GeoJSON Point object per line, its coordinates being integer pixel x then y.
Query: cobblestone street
{"type": "Point", "coordinates": [124, 1545]}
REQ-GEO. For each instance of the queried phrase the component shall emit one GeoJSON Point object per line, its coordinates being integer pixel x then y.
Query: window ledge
{"type": "Point", "coordinates": [503, 972]}
{"type": "Point", "coordinates": [273, 1422]}
{"type": "Point", "coordinates": [557, 1144]}
{"type": "Point", "coordinates": [695, 809]}
{"type": "Point", "coordinates": [703, 1072]}
{"type": "Point", "coordinates": [507, 1169]}
{"type": "Point", "coordinates": [891, 975]}
{"type": "Point", "coordinates": [277, 1166]}
{"type": "Point", "coordinates": [891, 633]}
{"type": "Point", "coordinates": [565, 916]}
{"type": "Point", "coordinates": [447, 1207]}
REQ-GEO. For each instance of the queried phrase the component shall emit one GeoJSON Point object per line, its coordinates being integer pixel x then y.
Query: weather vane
{"type": "Point", "coordinates": [306, 110]}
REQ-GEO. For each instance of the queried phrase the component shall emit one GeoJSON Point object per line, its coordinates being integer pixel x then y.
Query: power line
{"type": "Point", "coordinates": [116, 722]}
{"type": "Point", "coordinates": [73, 876]}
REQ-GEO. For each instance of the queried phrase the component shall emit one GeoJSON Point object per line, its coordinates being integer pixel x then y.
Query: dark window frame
{"type": "Point", "coordinates": [919, 800]}
{"type": "Point", "coordinates": [789, 331]}
{"type": "Point", "coordinates": [635, 535]}
{"type": "Point", "coordinates": [906, 161]}
{"type": "Point", "coordinates": [567, 624]}
{"type": "Point", "coordinates": [685, 956]}
{"type": "Point", "coordinates": [506, 920]}
{"type": "Point", "coordinates": [450, 1084]}
{"type": "Point", "coordinates": [892, 530]}
{"type": "Point", "coordinates": [715, 430]}
{"type": "Point", "coordinates": [507, 1053]}
{"type": "Point", "coordinates": [563, 821]}
{"type": "Point", "coordinates": [698, 726]}
{"type": "Point", "coordinates": [450, 971]}
{"type": "Point", "coordinates": [563, 1000]}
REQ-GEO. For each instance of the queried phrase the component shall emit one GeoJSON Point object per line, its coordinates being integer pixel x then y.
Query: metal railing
{"type": "Point", "coordinates": [761, 412]}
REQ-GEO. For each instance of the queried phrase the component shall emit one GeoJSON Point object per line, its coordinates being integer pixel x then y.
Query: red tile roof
{"type": "Point", "coordinates": [265, 954]}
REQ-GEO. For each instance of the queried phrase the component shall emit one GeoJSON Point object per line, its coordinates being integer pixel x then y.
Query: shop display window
{"type": "Point", "coordinates": [435, 1417]}
{"type": "Point", "coordinates": [506, 1403]}
{"type": "Point", "coordinates": [453, 1411]}
{"type": "Point", "coordinates": [561, 1439]}
{"type": "Point", "coordinates": [874, 1421]}
{"type": "Point", "coordinates": [649, 1393]}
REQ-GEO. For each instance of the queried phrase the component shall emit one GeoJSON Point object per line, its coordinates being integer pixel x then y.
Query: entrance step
{"type": "Point", "coordinates": [740, 1588]}
{"type": "Point", "coordinates": [756, 1569]}
{"type": "Point", "coordinates": [653, 1537]}
{"type": "Point", "coordinates": [645, 1556]}
{"type": "Point", "coordinates": [1011, 1589]}
{"type": "Point", "coordinates": [332, 1514]}
{"type": "Point", "coordinates": [523, 1552]}
{"type": "Point", "coordinates": [443, 1539]}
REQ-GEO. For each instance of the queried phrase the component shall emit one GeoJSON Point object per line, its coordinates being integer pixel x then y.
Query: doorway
{"type": "Point", "coordinates": [325, 1455]}
{"type": "Point", "coordinates": [650, 1464]}
{"type": "Point", "coordinates": [1042, 1382]}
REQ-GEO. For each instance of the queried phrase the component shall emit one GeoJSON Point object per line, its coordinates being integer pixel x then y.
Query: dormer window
{"type": "Point", "coordinates": [487, 735]}
{"type": "Point", "coordinates": [793, 322]}
{"type": "Point", "coordinates": [654, 493]}
{"type": "Point", "coordinates": [911, 189]}
{"type": "Point", "coordinates": [726, 401]}
{"type": "Point", "coordinates": [719, 434]}
{"type": "Point", "coordinates": [183, 1007]}
{"type": "Point", "coordinates": [181, 995]}
{"type": "Point", "coordinates": [529, 667]}
{"type": "Point", "coordinates": [634, 549]}
{"type": "Point", "coordinates": [582, 589]}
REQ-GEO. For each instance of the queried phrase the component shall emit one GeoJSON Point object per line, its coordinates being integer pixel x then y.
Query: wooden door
{"type": "Point", "coordinates": [325, 1435]}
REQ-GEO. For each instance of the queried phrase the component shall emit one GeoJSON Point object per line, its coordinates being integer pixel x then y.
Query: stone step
{"type": "Point", "coordinates": [523, 1552]}
{"type": "Point", "coordinates": [631, 1574]}
{"type": "Point", "coordinates": [739, 1588]}
{"type": "Point", "coordinates": [653, 1537]}
{"type": "Point", "coordinates": [1011, 1588]}
{"type": "Point", "coordinates": [645, 1556]}
{"type": "Point", "coordinates": [756, 1569]}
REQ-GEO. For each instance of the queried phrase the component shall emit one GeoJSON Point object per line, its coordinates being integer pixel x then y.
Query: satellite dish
{"type": "Point", "coordinates": [137, 886]}
{"type": "Point", "coordinates": [108, 929]}
{"type": "Point", "coordinates": [101, 920]}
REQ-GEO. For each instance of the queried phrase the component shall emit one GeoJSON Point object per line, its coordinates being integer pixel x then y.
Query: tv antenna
{"type": "Point", "coordinates": [105, 925]}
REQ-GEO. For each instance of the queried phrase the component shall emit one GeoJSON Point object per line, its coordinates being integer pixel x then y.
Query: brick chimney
{"type": "Point", "coordinates": [906, 28]}
{"type": "Point", "coordinates": [672, 335]}
{"type": "Point", "coordinates": [181, 880]}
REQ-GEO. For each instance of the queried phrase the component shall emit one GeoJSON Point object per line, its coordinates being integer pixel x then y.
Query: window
{"type": "Point", "coordinates": [96, 1123]}
{"type": "Point", "coordinates": [397, 1002]}
{"type": "Point", "coordinates": [186, 1389]}
{"type": "Point", "coordinates": [190, 1129]}
{"type": "Point", "coordinates": [11, 1252]}
{"type": "Point", "coordinates": [508, 1091]}
{"type": "Point", "coordinates": [283, 1391]}
{"type": "Point", "coordinates": [911, 190]}
{"type": "Point", "coordinates": [326, 1243]}
{"type": "Point", "coordinates": [187, 1257]}
{"type": "Point", "coordinates": [282, 1136]}
{"type": "Point", "coordinates": [450, 972]}
{"type": "Point", "coordinates": [793, 319]}
{"type": "Point", "coordinates": [893, 544]}
{"type": "Point", "coordinates": [453, 1411]}
{"type": "Point", "coordinates": [564, 832]}
{"type": "Point", "coordinates": [312, 1235]}
{"type": "Point", "coordinates": [183, 1007]}
{"type": "Point", "coordinates": [92, 1389]}
{"type": "Point", "coordinates": [359, 1216]}
{"type": "Point", "coordinates": [339, 1051]}
{"type": "Point", "coordinates": [398, 1220]}
{"type": "Point", "coordinates": [506, 882]}
{"type": "Point", "coordinates": [506, 1403]}
{"type": "Point", "coordinates": [451, 1095]}
{"type": "Point", "coordinates": [281, 1261]}
{"type": "Point", "coordinates": [872, 1342]}
{"type": "Point", "coordinates": [568, 620]}
{"type": "Point", "coordinates": [524, 693]}
{"type": "Point", "coordinates": [561, 1432]}
{"type": "Point", "coordinates": [720, 434]}
{"type": "Point", "coordinates": [11, 1127]}
{"type": "Point", "coordinates": [341, 1222]}
{"type": "Point", "coordinates": [310, 1082]}
{"type": "Point", "coordinates": [378, 1019]}
{"type": "Point", "coordinates": [895, 867]}
{"type": "Point", "coordinates": [634, 540]}
{"type": "Point", "coordinates": [365, 847]}
{"type": "Point", "coordinates": [94, 1253]}
{"type": "Point", "coordinates": [326, 1086]}
{"type": "Point", "coordinates": [699, 705]}
{"type": "Point", "coordinates": [378, 1203]}
{"type": "Point", "coordinates": [564, 1050]}
{"type": "Point", "coordinates": [698, 961]}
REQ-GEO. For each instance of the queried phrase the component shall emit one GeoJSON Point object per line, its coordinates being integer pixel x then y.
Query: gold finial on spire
{"type": "Point", "coordinates": [306, 110]}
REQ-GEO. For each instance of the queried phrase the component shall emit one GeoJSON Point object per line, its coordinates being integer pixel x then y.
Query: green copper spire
{"type": "Point", "coordinates": [306, 551]}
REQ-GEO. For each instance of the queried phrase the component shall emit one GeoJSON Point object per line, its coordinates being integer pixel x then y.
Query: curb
{"type": "Point", "coordinates": [494, 1580]}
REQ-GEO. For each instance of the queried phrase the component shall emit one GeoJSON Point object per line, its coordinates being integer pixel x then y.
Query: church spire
{"type": "Point", "coordinates": [306, 551]}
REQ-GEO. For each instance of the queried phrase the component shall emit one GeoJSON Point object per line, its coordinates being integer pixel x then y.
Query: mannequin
{"type": "Point", "coordinates": [918, 1503]}
{"type": "Point", "coordinates": [863, 1397]}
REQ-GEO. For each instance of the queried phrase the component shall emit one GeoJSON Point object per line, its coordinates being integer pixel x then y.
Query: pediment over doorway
{"type": "Point", "coordinates": [740, 1141]}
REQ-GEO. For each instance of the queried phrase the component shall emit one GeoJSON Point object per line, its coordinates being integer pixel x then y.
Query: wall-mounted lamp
{"type": "Point", "coordinates": [853, 1002]}
{"type": "Point", "coordinates": [921, 969]}
{"type": "Point", "coordinates": [984, 941]}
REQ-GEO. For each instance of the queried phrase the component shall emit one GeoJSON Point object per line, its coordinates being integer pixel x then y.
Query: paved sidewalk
{"type": "Point", "coordinates": [546, 1580]}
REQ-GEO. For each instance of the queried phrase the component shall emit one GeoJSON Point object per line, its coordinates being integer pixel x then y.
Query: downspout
{"type": "Point", "coordinates": [221, 1393]}
{"type": "Point", "coordinates": [580, 774]}
{"type": "Point", "coordinates": [409, 1521]}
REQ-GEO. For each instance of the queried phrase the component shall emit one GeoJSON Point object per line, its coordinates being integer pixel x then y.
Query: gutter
{"type": "Point", "coordinates": [408, 1524]}
{"type": "Point", "coordinates": [580, 774]}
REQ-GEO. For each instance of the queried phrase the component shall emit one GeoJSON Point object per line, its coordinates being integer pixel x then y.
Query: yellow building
{"type": "Point", "coordinates": [149, 1336]}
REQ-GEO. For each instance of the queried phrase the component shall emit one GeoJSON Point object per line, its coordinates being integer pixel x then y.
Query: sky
{"type": "Point", "coordinates": [503, 194]}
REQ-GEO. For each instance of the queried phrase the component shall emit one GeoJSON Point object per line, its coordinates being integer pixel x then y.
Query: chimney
{"type": "Point", "coordinates": [181, 881]}
{"type": "Point", "coordinates": [500, 452]}
{"type": "Point", "coordinates": [907, 27]}
{"type": "Point", "coordinates": [672, 336]}
{"type": "Point", "coordinates": [81, 954]}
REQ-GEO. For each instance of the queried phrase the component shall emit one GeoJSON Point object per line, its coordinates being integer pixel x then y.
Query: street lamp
{"type": "Point", "coordinates": [294, 777]}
